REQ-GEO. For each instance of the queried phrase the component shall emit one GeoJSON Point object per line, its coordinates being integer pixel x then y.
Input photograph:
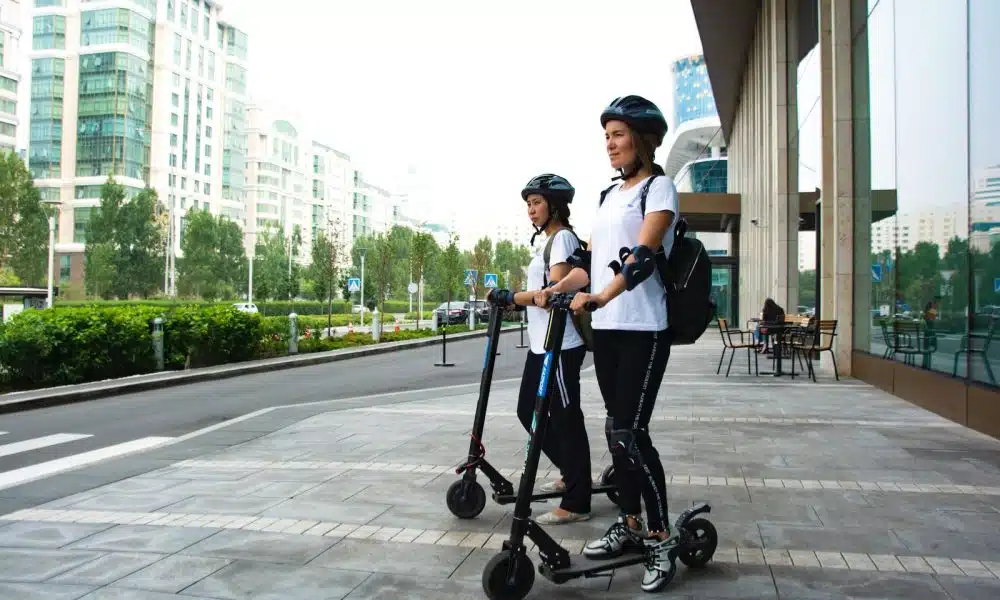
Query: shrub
{"type": "Point", "coordinates": [91, 343]}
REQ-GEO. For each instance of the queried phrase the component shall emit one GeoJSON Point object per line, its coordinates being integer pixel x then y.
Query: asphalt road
{"type": "Point", "coordinates": [175, 411]}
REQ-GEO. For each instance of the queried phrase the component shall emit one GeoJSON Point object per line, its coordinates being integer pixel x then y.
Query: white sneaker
{"type": "Point", "coordinates": [661, 567]}
{"type": "Point", "coordinates": [553, 486]}
{"type": "Point", "coordinates": [615, 540]}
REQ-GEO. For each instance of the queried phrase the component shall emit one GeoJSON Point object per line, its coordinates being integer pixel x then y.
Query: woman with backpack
{"type": "Point", "coordinates": [548, 198]}
{"type": "Point", "coordinates": [631, 344]}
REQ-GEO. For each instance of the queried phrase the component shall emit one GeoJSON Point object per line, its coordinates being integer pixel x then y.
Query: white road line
{"type": "Point", "coordinates": [33, 472]}
{"type": "Point", "coordinates": [41, 442]}
{"type": "Point", "coordinates": [3, 433]}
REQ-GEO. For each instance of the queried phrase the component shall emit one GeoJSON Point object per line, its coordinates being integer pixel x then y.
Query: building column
{"type": "Point", "coordinates": [837, 194]}
{"type": "Point", "coordinates": [786, 174]}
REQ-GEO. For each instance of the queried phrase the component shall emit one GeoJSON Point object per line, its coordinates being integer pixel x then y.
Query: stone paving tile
{"type": "Point", "coordinates": [835, 489]}
{"type": "Point", "coordinates": [43, 591]}
{"type": "Point", "coordinates": [173, 573]}
{"type": "Point", "coordinates": [260, 581]}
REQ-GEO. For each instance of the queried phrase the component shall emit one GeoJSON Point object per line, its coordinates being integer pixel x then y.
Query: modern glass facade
{"type": "Point", "coordinates": [927, 179]}
{"type": "Point", "coordinates": [47, 78]}
{"type": "Point", "coordinates": [113, 123]}
{"type": "Point", "coordinates": [692, 90]}
{"type": "Point", "coordinates": [709, 176]}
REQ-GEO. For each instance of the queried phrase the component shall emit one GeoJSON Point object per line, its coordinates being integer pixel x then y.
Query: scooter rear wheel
{"type": "Point", "coordinates": [495, 582]}
{"type": "Point", "coordinates": [702, 532]}
{"type": "Point", "coordinates": [466, 499]}
{"type": "Point", "coordinates": [608, 478]}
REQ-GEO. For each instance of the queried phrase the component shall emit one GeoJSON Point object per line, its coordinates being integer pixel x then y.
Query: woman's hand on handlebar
{"type": "Point", "coordinates": [541, 297]}
{"type": "Point", "coordinates": [583, 302]}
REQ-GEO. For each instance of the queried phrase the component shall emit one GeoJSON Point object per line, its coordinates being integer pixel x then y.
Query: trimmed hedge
{"type": "Point", "coordinates": [78, 344]}
{"type": "Point", "coordinates": [87, 343]}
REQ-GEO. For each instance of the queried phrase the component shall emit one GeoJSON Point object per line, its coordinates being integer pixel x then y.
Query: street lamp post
{"type": "Point", "coordinates": [52, 249]}
{"type": "Point", "coordinates": [52, 257]}
{"type": "Point", "coordinates": [251, 236]}
{"type": "Point", "coordinates": [362, 251]}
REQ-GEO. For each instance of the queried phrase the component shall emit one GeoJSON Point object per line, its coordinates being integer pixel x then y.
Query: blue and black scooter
{"type": "Point", "coordinates": [509, 575]}
{"type": "Point", "coordinates": [466, 497]}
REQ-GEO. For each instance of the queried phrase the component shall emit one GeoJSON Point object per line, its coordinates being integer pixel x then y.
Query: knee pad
{"type": "Point", "coordinates": [622, 444]}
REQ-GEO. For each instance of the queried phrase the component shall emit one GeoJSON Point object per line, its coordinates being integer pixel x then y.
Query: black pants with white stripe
{"type": "Point", "coordinates": [565, 442]}
{"type": "Point", "coordinates": [629, 367]}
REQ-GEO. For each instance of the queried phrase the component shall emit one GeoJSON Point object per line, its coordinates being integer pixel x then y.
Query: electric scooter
{"type": "Point", "coordinates": [509, 575]}
{"type": "Point", "coordinates": [466, 498]}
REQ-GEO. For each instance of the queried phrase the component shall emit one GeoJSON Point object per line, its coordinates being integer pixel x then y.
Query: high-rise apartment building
{"type": "Point", "coordinates": [150, 92]}
{"type": "Point", "coordinates": [295, 180]}
{"type": "Point", "coordinates": [10, 78]}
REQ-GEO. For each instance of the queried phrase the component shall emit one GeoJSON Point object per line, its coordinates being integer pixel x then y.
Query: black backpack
{"type": "Point", "coordinates": [687, 278]}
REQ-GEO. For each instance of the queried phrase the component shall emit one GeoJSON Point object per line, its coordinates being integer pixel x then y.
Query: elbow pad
{"type": "Point", "coordinates": [640, 270]}
{"type": "Point", "coordinates": [580, 259]}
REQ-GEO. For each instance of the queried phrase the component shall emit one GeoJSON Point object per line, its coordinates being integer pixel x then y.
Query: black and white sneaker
{"type": "Point", "coordinates": [661, 566]}
{"type": "Point", "coordinates": [615, 540]}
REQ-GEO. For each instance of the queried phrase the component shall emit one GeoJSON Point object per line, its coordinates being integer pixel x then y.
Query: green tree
{"type": "Point", "coordinates": [134, 241]}
{"type": "Point", "coordinates": [452, 269]}
{"type": "Point", "coordinates": [24, 227]}
{"type": "Point", "coordinates": [382, 268]}
{"type": "Point", "coordinates": [399, 238]}
{"type": "Point", "coordinates": [422, 248]}
{"type": "Point", "coordinates": [482, 261]}
{"type": "Point", "coordinates": [807, 288]}
{"type": "Point", "coordinates": [197, 270]}
{"type": "Point", "coordinates": [327, 253]}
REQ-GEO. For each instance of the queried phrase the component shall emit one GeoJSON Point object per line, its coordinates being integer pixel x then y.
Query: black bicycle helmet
{"type": "Point", "coordinates": [553, 187]}
{"type": "Point", "coordinates": [640, 114]}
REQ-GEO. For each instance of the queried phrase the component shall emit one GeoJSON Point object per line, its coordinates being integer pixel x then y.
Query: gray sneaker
{"type": "Point", "coordinates": [661, 567]}
{"type": "Point", "coordinates": [618, 537]}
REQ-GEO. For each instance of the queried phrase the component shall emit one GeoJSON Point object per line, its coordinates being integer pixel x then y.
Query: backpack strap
{"type": "Point", "coordinates": [642, 193]}
{"type": "Point", "coordinates": [547, 253]}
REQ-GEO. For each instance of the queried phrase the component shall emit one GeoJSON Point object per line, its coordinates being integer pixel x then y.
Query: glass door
{"type": "Point", "coordinates": [724, 292]}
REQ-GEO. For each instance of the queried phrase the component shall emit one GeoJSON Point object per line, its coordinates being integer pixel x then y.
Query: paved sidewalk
{"type": "Point", "coordinates": [829, 490]}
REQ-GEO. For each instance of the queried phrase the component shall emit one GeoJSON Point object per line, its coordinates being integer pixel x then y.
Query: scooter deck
{"type": "Point", "coordinates": [512, 498]}
{"type": "Point", "coordinates": [581, 566]}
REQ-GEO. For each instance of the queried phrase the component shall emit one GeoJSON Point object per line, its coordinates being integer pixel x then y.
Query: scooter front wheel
{"type": "Point", "coordinates": [466, 499]}
{"type": "Point", "coordinates": [701, 534]}
{"type": "Point", "coordinates": [497, 582]}
{"type": "Point", "coordinates": [608, 478]}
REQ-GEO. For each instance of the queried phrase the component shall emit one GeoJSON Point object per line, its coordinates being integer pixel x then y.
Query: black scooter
{"type": "Point", "coordinates": [466, 497]}
{"type": "Point", "coordinates": [509, 575]}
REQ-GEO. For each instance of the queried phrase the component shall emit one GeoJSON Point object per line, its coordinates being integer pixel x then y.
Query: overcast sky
{"type": "Point", "coordinates": [474, 97]}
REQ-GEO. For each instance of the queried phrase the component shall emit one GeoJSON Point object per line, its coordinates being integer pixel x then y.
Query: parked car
{"type": "Point", "coordinates": [457, 312]}
{"type": "Point", "coordinates": [482, 311]}
{"type": "Point", "coordinates": [246, 307]}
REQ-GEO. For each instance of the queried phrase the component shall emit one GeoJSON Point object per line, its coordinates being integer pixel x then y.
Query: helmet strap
{"type": "Point", "coordinates": [539, 230]}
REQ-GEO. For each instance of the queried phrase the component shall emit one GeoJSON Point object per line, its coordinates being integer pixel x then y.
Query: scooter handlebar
{"type": "Point", "coordinates": [562, 301]}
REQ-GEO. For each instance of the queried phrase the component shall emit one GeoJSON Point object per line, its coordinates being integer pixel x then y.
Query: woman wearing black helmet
{"type": "Point", "coordinates": [631, 347]}
{"type": "Point", "coordinates": [548, 197]}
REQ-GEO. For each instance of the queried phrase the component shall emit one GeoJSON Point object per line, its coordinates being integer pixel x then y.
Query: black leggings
{"type": "Point", "coordinates": [630, 366]}
{"type": "Point", "coordinates": [565, 442]}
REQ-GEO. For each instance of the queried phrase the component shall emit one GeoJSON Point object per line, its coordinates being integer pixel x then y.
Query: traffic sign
{"type": "Point", "coordinates": [491, 280]}
{"type": "Point", "coordinates": [470, 276]}
{"type": "Point", "coordinates": [876, 273]}
{"type": "Point", "coordinates": [354, 285]}
{"type": "Point", "coordinates": [412, 288]}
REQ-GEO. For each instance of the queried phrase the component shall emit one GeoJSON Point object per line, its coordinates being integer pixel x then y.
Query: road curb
{"type": "Point", "coordinates": [146, 382]}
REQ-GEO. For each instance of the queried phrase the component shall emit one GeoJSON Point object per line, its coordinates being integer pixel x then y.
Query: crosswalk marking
{"type": "Point", "coordinates": [41, 442]}
{"type": "Point", "coordinates": [40, 470]}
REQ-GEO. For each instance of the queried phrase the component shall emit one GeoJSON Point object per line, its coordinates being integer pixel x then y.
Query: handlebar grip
{"type": "Point", "coordinates": [590, 306]}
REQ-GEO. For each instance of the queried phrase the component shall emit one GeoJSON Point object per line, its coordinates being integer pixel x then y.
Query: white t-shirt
{"type": "Point", "coordinates": [617, 225]}
{"type": "Point", "coordinates": [564, 244]}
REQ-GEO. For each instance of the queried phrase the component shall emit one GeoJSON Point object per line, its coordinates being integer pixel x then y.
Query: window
{"type": "Point", "coordinates": [173, 160]}
{"type": "Point", "coordinates": [49, 32]}
{"type": "Point", "coordinates": [173, 140]}
{"type": "Point", "coordinates": [211, 64]}
{"type": "Point", "coordinates": [208, 131]}
{"type": "Point", "coordinates": [184, 14]}
{"type": "Point", "coordinates": [170, 10]}
{"type": "Point", "coordinates": [208, 189]}
{"type": "Point", "coordinates": [205, 29]}
{"type": "Point", "coordinates": [65, 268]}
{"type": "Point", "coordinates": [208, 151]}
{"type": "Point", "coordinates": [175, 100]}
{"type": "Point", "coordinates": [173, 119]}
{"type": "Point", "coordinates": [178, 40]}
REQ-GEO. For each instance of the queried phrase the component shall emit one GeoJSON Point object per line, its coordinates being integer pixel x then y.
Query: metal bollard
{"type": "Point", "coordinates": [293, 334]}
{"type": "Point", "coordinates": [472, 317]}
{"type": "Point", "coordinates": [376, 326]}
{"type": "Point", "coordinates": [434, 322]}
{"type": "Point", "coordinates": [158, 342]}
